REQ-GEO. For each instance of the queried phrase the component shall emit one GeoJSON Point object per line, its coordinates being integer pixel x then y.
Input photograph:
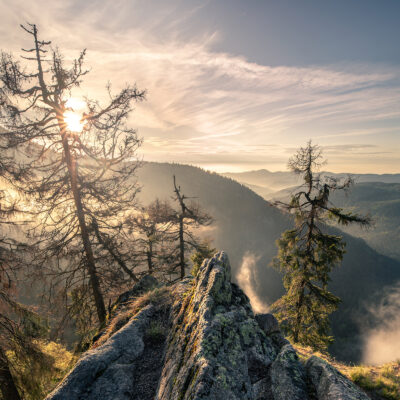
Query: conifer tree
{"type": "Point", "coordinates": [82, 166]}
{"type": "Point", "coordinates": [151, 226]}
{"type": "Point", "coordinates": [307, 253]}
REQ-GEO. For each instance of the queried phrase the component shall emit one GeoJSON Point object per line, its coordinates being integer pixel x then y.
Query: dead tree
{"type": "Point", "coordinates": [187, 218]}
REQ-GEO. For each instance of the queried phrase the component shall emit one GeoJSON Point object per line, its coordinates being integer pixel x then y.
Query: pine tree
{"type": "Point", "coordinates": [82, 166]}
{"type": "Point", "coordinates": [307, 254]}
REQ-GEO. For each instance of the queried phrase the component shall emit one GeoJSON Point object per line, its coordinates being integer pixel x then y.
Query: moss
{"type": "Point", "coordinates": [248, 331]}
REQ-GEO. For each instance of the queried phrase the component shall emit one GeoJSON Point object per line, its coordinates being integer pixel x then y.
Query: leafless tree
{"type": "Point", "coordinates": [187, 219]}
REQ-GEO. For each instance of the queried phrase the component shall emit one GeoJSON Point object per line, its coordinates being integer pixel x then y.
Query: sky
{"type": "Point", "coordinates": [235, 85]}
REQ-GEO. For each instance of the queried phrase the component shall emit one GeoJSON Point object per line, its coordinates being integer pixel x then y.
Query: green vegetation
{"type": "Point", "coordinates": [156, 332]}
{"type": "Point", "coordinates": [160, 298]}
{"type": "Point", "coordinates": [380, 381]}
{"type": "Point", "coordinates": [36, 378]}
{"type": "Point", "coordinates": [307, 255]}
{"type": "Point", "coordinates": [204, 250]}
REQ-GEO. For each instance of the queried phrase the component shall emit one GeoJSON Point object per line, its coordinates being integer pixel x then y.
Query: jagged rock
{"type": "Point", "coordinates": [106, 372]}
{"type": "Point", "coordinates": [216, 349]}
{"type": "Point", "coordinates": [329, 383]}
{"type": "Point", "coordinates": [268, 323]}
{"type": "Point", "coordinates": [288, 377]}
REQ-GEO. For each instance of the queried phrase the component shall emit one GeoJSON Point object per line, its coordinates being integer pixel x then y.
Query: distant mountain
{"type": "Point", "coordinates": [247, 228]}
{"type": "Point", "coordinates": [380, 200]}
{"type": "Point", "coordinates": [284, 179]}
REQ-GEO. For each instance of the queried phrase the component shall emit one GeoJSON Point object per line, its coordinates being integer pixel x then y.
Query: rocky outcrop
{"type": "Point", "coordinates": [106, 372]}
{"type": "Point", "coordinates": [216, 348]}
{"type": "Point", "coordinates": [329, 383]}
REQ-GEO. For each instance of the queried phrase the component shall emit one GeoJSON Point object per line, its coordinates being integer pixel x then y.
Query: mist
{"type": "Point", "coordinates": [382, 343]}
{"type": "Point", "coordinates": [246, 278]}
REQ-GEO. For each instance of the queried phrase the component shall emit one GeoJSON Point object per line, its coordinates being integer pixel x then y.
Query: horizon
{"type": "Point", "coordinates": [235, 86]}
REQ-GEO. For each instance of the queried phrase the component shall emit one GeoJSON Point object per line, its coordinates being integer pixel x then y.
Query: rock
{"type": "Point", "coordinates": [270, 327]}
{"type": "Point", "coordinates": [216, 349]}
{"type": "Point", "coordinates": [288, 377]}
{"type": "Point", "coordinates": [268, 323]}
{"type": "Point", "coordinates": [329, 383]}
{"type": "Point", "coordinates": [106, 372]}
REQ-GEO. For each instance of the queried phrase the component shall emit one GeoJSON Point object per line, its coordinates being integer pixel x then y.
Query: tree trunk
{"type": "Point", "coordinates": [94, 280]}
{"type": "Point", "coordinates": [181, 248]}
{"type": "Point", "coordinates": [299, 304]}
{"type": "Point", "coordinates": [7, 386]}
{"type": "Point", "coordinates": [113, 253]}
{"type": "Point", "coordinates": [150, 258]}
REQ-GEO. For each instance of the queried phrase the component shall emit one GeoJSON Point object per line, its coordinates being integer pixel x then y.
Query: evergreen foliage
{"type": "Point", "coordinates": [307, 255]}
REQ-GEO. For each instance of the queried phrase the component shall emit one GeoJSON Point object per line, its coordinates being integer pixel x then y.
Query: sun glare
{"type": "Point", "coordinates": [73, 116]}
{"type": "Point", "coordinates": [73, 121]}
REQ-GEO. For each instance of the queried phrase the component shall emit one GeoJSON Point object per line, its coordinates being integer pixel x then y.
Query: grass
{"type": "Point", "coordinates": [160, 298]}
{"type": "Point", "coordinates": [382, 382]}
{"type": "Point", "coordinates": [156, 332]}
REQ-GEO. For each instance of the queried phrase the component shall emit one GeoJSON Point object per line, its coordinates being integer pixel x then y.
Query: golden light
{"type": "Point", "coordinates": [73, 116]}
{"type": "Point", "coordinates": [73, 121]}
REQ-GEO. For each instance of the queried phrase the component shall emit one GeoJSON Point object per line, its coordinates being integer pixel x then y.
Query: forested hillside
{"type": "Point", "coordinates": [247, 226]}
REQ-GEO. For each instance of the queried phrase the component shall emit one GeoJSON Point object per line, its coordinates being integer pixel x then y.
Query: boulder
{"type": "Point", "coordinates": [329, 383]}
{"type": "Point", "coordinates": [288, 377]}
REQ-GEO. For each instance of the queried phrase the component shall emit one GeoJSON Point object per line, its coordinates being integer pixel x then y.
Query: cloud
{"type": "Point", "coordinates": [246, 280]}
{"type": "Point", "coordinates": [200, 99]}
{"type": "Point", "coordinates": [382, 342]}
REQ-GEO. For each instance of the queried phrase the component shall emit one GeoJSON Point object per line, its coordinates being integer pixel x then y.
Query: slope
{"type": "Point", "coordinates": [247, 228]}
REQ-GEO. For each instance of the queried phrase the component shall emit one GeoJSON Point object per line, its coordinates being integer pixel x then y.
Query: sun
{"type": "Point", "coordinates": [73, 116]}
{"type": "Point", "coordinates": [73, 121]}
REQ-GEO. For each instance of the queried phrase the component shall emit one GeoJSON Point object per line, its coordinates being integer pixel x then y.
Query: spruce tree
{"type": "Point", "coordinates": [307, 253]}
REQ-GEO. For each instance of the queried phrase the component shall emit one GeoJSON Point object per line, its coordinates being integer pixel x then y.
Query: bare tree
{"type": "Point", "coordinates": [188, 218]}
{"type": "Point", "coordinates": [83, 166]}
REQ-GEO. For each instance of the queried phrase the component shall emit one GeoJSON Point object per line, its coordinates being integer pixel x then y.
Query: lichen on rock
{"type": "Point", "coordinates": [215, 348]}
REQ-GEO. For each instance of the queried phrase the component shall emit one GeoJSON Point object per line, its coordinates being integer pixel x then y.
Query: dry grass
{"type": "Point", "coordinates": [382, 382]}
{"type": "Point", "coordinates": [160, 298]}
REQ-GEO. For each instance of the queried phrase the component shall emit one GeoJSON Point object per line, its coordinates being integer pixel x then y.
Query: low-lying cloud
{"type": "Point", "coordinates": [382, 344]}
{"type": "Point", "coordinates": [246, 278]}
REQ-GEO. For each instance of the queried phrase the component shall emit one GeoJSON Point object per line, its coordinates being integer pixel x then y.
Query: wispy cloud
{"type": "Point", "coordinates": [202, 102]}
